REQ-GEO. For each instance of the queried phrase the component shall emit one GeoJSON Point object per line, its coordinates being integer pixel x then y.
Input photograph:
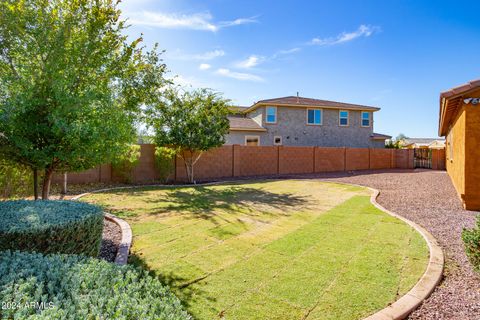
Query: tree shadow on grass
{"type": "Point", "coordinates": [183, 288]}
{"type": "Point", "coordinates": [205, 202]}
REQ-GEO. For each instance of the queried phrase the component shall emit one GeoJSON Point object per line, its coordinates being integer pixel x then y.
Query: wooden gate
{"type": "Point", "coordinates": [422, 158]}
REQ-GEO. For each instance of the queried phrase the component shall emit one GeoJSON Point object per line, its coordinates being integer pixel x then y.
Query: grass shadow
{"type": "Point", "coordinates": [183, 288]}
{"type": "Point", "coordinates": [204, 202]}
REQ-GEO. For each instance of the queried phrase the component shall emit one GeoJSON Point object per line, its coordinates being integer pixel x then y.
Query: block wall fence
{"type": "Point", "coordinates": [240, 161]}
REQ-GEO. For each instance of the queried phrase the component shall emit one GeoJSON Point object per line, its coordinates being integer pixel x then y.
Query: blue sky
{"type": "Point", "coordinates": [397, 55]}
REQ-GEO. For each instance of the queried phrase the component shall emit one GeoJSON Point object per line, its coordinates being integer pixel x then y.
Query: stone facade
{"type": "Point", "coordinates": [293, 129]}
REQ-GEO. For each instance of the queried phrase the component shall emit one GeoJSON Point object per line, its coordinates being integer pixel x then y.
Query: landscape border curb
{"type": "Point", "coordinates": [125, 242]}
{"type": "Point", "coordinates": [432, 276]}
{"type": "Point", "coordinates": [398, 310]}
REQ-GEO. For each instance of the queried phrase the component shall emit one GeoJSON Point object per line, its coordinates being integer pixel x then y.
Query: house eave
{"type": "Point", "coordinates": [259, 104]}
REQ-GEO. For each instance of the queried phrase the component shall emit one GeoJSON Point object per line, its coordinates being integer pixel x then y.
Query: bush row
{"type": "Point", "coordinates": [471, 238]}
{"type": "Point", "coordinates": [51, 227]}
{"type": "Point", "coordinates": [76, 287]}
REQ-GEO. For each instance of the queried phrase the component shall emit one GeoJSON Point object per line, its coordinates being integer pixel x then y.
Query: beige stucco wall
{"type": "Point", "coordinates": [463, 166]}
{"type": "Point", "coordinates": [455, 152]}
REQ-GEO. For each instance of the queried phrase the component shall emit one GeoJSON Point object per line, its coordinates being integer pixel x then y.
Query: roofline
{"type": "Point", "coordinates": [452, 94]}
{"type": "Point", "coordinates": [346, 107]}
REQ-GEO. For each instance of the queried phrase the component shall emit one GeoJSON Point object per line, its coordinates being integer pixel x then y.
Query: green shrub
{"type": "Point", "coordinates": [165, 162]}
{"type": "Point", "coordinates": [77, 287]}
{"type": "Point", "coordinates": [15, 180]}
{"type": "Point", "coordinates": [51, 226]}
{"type": "Point", "coordinates": [122, 167]}
{"type": "Point", "coordinates": [471, 238]}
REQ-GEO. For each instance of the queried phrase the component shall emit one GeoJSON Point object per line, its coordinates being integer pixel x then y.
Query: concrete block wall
{"type": "Point", "coordinates": [237, 161]}
{"type": "Point", "coordinates": [216, 163]}
{"type": "Point", "coordinates": [296, 160]}
{"type": "Point", "coordinates": [252, 161]}
{"type": "Point", "coordinates": [329, 159]}
{"type": "Point", "coordinates": [357, 159]}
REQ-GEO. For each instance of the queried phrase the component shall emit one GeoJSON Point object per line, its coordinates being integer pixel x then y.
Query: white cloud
{"type": "Point", "coordinates": [239, 75]}
{"type": "Point", "coordinates": [186, 81]}
{"type": "Point", "coordinates": [196, 21]}
{"type": "Point", "coordinates": [209, 55]}
{"type": "Point", "coordinates": [362, 31]}
{"type": "Point", "coordinates": [204, 66]}
{"type": "Point", "coordinates": [250, 62]}
{"type": "Point", "coordinates": [280, 53]}
{"type": "Point", "coordinates": [289, 51]}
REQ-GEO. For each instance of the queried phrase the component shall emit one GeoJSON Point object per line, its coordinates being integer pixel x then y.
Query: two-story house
{"type": "Point", "coordinates": [297, 121]}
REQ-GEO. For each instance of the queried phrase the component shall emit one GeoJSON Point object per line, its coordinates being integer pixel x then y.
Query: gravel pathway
{"type": "Point", "coordinates": [110, 241]}
{"type": "Point", "coordinates": [429, 198]}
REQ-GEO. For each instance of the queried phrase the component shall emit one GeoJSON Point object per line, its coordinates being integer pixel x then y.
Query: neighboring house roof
{"type": "Point", "coordinates": [238, 109]}
{"type": "Point", "coordinates": [294, 101]}
{"type": "Point", "coordinates": [423, 142]}
{"type": "Point", "coordinates": [244, 124]}
{"type": "Point", "coordinates": [379, 136]}
{"type": "Point", "coordinates": [450, 103]}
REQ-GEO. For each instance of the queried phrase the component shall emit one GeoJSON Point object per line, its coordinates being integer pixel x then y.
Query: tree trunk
{"type": "Point", "coordinates": [64, 184]}
{"type": "Point", "coordinates": [35, 183]}
{"type": "Point", "coordinates": [47, 179]}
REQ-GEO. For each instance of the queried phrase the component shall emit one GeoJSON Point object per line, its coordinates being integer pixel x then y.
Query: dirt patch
{"type": "Point", "coordinates": [112, 235]}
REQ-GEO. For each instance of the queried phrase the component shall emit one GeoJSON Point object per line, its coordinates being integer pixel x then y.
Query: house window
{"type": "Point", "coordinates": [252, 140]}
{"type": "Point", "coordinates": [277, 140]}
{"type": "Point", "coordinates": [365, 119]}
{"type": "Point", "coordinates": [314, 116]}
{"type": "Point", "coordinates": [271, 115]}
{"type": "Point", "coordinates": [343, 117]}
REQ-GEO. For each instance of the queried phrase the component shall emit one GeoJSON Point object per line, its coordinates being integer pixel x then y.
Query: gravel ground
{"type": "Point", "coordinates": [429, 198]}
{"type": "Point", "coordinates": [110, 241]}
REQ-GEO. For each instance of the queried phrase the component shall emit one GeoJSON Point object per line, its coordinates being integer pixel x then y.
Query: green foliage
{"type": "Point", "coordinates": [471, 238]}
{"type": "Point", "coordinates": [391, 144]}
{"type": "Point", "coordinates": [71, 84]}
{"type": "Point", "coordinates": [191, 122]}
{"type": "Point", "coordinates": [51, 227]}
{"type": "Point", "coordinates": [123, 165]}
{"type": "Point", "coordinates": [15, 179]}
{"type": "Point", "coordinates": [165, 162]}
{"type": "Point", "coordinates": [81, 288]}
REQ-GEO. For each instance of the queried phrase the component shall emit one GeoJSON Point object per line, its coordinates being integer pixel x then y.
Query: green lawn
{"type": "Point", "coordinates": [288, 249]}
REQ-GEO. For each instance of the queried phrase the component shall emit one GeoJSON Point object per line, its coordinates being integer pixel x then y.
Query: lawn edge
{"type": "Point", "coordinates": [432, 276]}
{"type": "Point", "coordinates": [125, 244]}
{"type": "Point", "coordinates": [399, 309]}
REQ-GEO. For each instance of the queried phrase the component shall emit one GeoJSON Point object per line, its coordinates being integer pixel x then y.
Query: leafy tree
{"type": "Point", "coordinates": [401, 137]}
{"type": "Point", "coordinates": [124, 164]}
{"type": "Point", "coordinates": [71, 84]}
{"type": "Point", "coordinates": [189, 123]}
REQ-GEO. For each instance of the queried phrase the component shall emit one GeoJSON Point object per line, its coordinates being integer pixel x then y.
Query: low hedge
{"type": "Point", "coordinates": [57, 286]}
{"type": "Point", "coordinates": [471, 238]}
{"type": "Point", "coordinates": [51, 227]}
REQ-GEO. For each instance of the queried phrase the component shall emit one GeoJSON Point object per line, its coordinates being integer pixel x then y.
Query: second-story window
{"type": "Point", "coordinates": [343, 118]}
{"type": "Point", "coordinates": [314, 116]}
{"type": "Point", "coordinates": [271, 115]}
{"type": "Point", "coordinates": [365, 119]}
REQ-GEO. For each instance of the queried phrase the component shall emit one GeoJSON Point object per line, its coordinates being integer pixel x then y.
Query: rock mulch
{"type": "Point", "coordinates": [429, 199]}
{"type": "Point", "coordinates": [111, 238]}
